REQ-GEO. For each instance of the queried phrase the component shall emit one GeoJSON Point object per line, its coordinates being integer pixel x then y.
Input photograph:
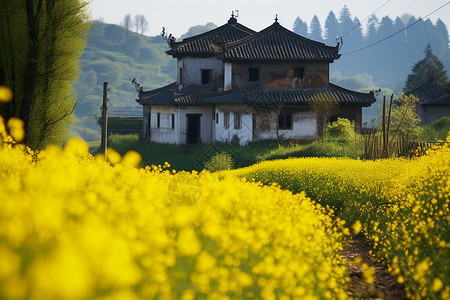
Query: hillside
{"type": "Point", "coordinates": [116, 55]}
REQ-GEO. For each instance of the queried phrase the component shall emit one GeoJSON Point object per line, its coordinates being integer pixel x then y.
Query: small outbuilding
{"type": "Point", "coordinates": [434, 100]}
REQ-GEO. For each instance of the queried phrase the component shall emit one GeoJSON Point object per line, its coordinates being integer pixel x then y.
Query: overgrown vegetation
{"type": "Point", "coordinates": [219, 162]}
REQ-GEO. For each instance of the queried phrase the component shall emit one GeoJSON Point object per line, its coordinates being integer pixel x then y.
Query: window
{"type": "Point", "coordinates": [173, 121]}
{"type": "Point", "coordinates": [206, 76]}
{"type": "Point", "coordinates": [158, 120]}
{"type": "Point", "coordinates": [217, 118]}
{"type": "Point", "coordinates": [299, 72]}
{"type": "Point", "coordinates": [253, 74]}
{"type": "Point", "coordinates": [226, 119]}
{"type": "Point", "coordinates": [237, 120]}
{"type": "Point", "coordinates": [285, 121]}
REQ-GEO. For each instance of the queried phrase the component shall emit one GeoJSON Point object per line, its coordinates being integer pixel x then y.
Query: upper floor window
{"type": "Point", "coordinates": [253, 74]}
{"type": "Point", "coordinates": [206, 76]}
{"type": "Point", "coordinates": [285, 121]}
{"type": "Point", "coordinates": [299, 72]}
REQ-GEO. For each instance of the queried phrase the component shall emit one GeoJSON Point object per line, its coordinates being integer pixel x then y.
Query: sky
{"type": "Point", "coordinates": [178, 16]}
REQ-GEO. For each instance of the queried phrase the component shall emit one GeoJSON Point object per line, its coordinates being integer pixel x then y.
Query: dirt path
{"type": "Point", "coordinates": [384, 287]}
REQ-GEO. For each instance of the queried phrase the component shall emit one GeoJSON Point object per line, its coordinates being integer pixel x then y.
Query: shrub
{"type": "Point", "coordinates": [341, 130]}
{"type": "Point", "coordinates": [219, 162]}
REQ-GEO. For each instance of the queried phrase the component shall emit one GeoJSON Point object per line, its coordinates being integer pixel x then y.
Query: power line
{"type": "Point", "coordinates": [397, 32]}
{"type": "Point", "coordinates": [359, 23]}
{"type": "Point", "coordinates": [90, 93]}
{"type": "Point", "coordinates": [404, 6]}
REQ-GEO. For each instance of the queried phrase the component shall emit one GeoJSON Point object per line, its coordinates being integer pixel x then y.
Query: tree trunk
{"type": "Point", "coordinates": [32, 64]}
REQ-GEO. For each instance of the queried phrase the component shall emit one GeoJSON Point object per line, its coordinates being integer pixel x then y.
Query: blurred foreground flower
{"type": "Point", "coordinates": [15, 127]}
{"type": "Point", "coordinates": [6, 94]}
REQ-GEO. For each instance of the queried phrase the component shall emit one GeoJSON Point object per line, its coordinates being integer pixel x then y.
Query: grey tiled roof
{"type": "Point", "coordinates": [432, 92]}
{"type": "Point", "coordinates": [256, 94]}
{"type": "Point", "coordinates": [170, 95]}
{"type": "Point", "coordinates": [209, 43]}
{"type": "Point", "coordinates": [278, 43]}
{"type": "Point", "coordinates": [259, 94]}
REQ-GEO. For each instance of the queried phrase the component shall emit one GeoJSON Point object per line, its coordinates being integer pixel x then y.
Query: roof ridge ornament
{"type": "Point", "coordinates": [234, 16]}
{"type": "Point", "coordinates": [169, 38]}
{"type": "Point", "coordinates": [276, 19]}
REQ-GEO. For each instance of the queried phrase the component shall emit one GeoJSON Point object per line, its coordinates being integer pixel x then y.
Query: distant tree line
{"type": "Point", "coordinates": [139, 23]}
{"type": "Point", "coordinates": [390, 59]}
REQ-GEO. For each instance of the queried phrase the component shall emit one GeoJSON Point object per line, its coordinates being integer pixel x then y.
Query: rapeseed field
{"type": "Point", "coordinates": [401, 205]}
{"type": "Point", "coordinates": [73, 226]}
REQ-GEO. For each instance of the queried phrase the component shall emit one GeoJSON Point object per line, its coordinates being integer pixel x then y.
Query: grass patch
{"type": "Point", "coordinates": [189, 157]}
{"type": "Point", "coordinates": [438, 130]}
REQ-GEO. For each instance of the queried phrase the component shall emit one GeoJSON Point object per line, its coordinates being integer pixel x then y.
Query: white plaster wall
{"type": "Point", "coordinates": [304, 127]}
{"type": "Point", "coordinates": [192, 66]}
{"type": "Point", "coordinates": [228, 69]}
{"type": "Point", "coordinates": [223, 134]}
{"type": "Point", "coordinates": [205, 123]}
{"type": "Point", "coordinates": [165, 134]}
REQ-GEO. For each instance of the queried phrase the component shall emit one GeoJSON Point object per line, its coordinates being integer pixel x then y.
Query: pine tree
{"type": "Point", "coordinates": [316, 29]}
{"type": "Point", "coordinates": [372, 28]}
{"type": "Point", "coordinates": [356, 36]}
{"type": "Point", "coordinates": [442, 28]}
{"type": "Point", "coordinates": [426, 68]}
{"type": "Point", "coordinates": [345, 21]}
{"type": "Point", "coordinates": [300, 27]}
{"type": "Point", "coordinates": [331, 29]}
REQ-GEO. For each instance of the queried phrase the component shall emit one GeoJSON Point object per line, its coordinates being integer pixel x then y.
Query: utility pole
{"type": "Point", "coordinates": [104, 142]}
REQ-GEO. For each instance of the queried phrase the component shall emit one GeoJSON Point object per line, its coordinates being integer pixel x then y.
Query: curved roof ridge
{"type": "Point", "coordinates": [163, 88]}
{"type": "Point", "coordinates": [277, 26]}
{"type": "Point", "coordinates": [214, 31]}
{"type": "Point", "coordinates": [334, 85]}
{"type": "Point", "coordinates": [283, 45]}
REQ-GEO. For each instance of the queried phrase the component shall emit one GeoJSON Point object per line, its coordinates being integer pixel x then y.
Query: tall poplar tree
{"type": "Point", "coordinates": [41, 41]}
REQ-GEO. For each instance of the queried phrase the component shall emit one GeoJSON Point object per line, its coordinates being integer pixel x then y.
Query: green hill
{"type": "Point", "coordinates": [116, 55]}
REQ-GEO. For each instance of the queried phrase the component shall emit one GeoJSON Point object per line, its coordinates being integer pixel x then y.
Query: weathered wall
{"type": "Point", "coordinates": [265, 125]}
{"type": "Point", "coordinates": [431, 113]}
{"type": "Point", "coordinates": [303, 126]}
{"type": "Point", "coordinates": [281, 75]}
{"type": "Point", "coordinates": [192, 70]}
{"type": "Point", "coordinates": [226, 134]}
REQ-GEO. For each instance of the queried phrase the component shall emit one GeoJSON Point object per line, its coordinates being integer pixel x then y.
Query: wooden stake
{"type": "Point", "coordinates": [104, 141]}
